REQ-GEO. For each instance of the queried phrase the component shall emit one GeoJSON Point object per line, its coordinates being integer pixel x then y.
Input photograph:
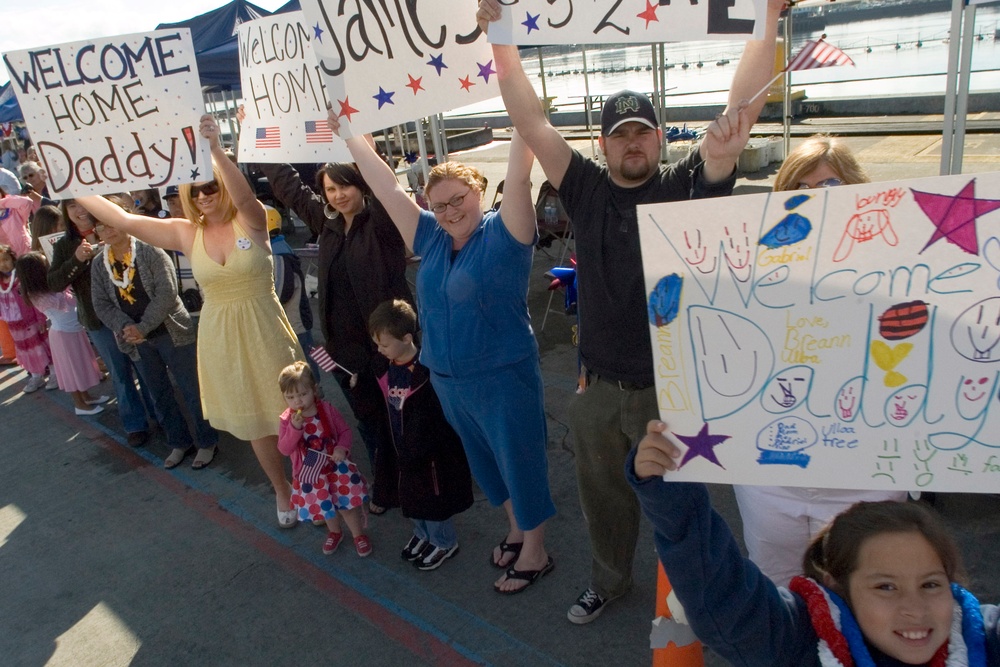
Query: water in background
{"type": "Point", "coordinates": [885, 70]}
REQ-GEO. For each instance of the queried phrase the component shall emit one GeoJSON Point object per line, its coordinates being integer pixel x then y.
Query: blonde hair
{"type": "Point", "coordinates": [814, 151]}
{"type": "Point", "coordinates": [458, 172]}
{"type": "Point", "coordinates": [191, 211]}
{"type": "Point", "coordinates": [296, 375]}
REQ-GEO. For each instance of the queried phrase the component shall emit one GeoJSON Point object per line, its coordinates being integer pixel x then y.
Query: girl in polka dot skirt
{"type": "Point", "coordinates": [325, 483]}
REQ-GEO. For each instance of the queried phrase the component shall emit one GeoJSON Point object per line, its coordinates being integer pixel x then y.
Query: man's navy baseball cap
{"type": "Point", "coordinates": [625, 106]}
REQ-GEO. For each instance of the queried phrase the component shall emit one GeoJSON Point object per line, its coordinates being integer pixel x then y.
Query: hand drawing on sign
{"type": "Point", "coordinates": [902, 407]}
{"type": "Point", "coordinates": [903, 320]}
{"type": "Point", "coordinates": [976, 331]}
{"type": "Point", "coordinates": [737, 252]}
{"type": "Point", "coordinates": [664, 300]}
{"type": "Point", "coordinates": [733, 358]}
{"type": "Point", "coordinates": [972, 398]}
{"type": "Point", "coordinates": [699, 253]}
{"type": "Point", "coordinates": [787, 389]}
{"type": "Point", "coordinates": [863, 227]}
{"type": "Point", "coordinates": [782, 442]}
{"type": "Point", "coordinates": [793, 228]}
{"type": "Point", "coordinates": [991, 253]}
{"type": "Point", "coordinates": [848, 399]}
{"type": "Point", "coordinates": [888, 358]}
{"type": "Point", "coordinates": [954, 216]}
{"type": "Point", "coordinates": [703, 444]}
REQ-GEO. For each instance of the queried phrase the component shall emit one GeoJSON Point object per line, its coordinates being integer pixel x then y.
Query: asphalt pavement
{"type": "Point", "coordinates": [107, 559]}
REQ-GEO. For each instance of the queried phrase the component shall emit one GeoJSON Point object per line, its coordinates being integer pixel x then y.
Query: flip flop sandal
{"type": "Point", "coordinates": [176, 456]}
{"type": "Point", "coordinates": [507, 548]}
{"type": "Point", "coordinates": [531, 576]}
{"type": "Point", "coordinates": [377, 510]}
{"type": "Point", "coordinates": [204, 457]}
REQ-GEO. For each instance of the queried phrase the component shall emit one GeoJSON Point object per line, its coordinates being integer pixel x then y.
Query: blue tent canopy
{"type": "Point", "coordinates": [10, 110]}
{"type": "Point", "coordinates": [214, 37]}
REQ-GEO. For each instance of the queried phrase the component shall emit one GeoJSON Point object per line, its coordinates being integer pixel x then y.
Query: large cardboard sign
{"type": "Point", "coordinates": [115, 113]}
{"type": "Point", "coordinates": [389, 63]}
{"type": "Point", "coordinates": [540, 22]}
{"type": "Point", "coordinates": [284, 94]}
{"type": "Point", "coordinates": [844, 337]}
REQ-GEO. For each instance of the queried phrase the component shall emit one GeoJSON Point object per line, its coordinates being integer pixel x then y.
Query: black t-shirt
{"type": "Point", "coordinates": [614, 331]}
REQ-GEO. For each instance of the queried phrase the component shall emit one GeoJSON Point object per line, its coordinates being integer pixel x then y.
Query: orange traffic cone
{"type": "Point", "coordinates": [672, 655]}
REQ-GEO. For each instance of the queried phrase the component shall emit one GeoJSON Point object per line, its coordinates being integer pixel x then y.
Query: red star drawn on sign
{"type": "Point", "coordinates": [414, 84]}
{"type": "Point", "coordinates": [466, 84]}
{"type": "Point", "coordinates": [650, 14]}
{"type": "Point", "coordinates": [346, 109]}
{"type": "Point", "coordinates": [954, 216]}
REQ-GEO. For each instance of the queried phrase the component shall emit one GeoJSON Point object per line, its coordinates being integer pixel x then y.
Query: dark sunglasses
{"type": "Point", "coordinates": [206, 189]}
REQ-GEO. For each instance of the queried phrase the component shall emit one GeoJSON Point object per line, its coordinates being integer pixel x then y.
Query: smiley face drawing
{"type": "Point", "coordinates": [972, 396]}
{"type": "Point", "coordinates": [902, 407]}
{"type": "Point", "coordinates": [976, 332]}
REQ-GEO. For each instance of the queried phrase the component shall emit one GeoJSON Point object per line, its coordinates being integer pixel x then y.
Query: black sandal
{"type": "Point", "coordinates": [531, 576]}
{"type": "Point", "coordinates": [507, 548]}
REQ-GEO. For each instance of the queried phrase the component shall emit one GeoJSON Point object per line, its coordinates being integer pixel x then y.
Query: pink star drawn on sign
{"type": "Point", "coordinates": [702, 445]}
{"type": "Point", "coordinates": [955, 215]}
{"type": "Point", "coordinates": [414, 84]}
{"type": "Point", "coordinates": [466, 84]}
{"type": "Point", "coordinates": [650, 14]}
{"type": "Point", "coordinates": [346, 109]}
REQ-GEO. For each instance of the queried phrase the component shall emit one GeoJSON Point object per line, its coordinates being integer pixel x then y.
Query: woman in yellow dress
{"type": "Point", "coordinates": [244, 338]}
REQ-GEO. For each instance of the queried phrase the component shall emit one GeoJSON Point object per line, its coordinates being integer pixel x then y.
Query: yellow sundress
{"type": "Point", "coordinates": [244, 339]}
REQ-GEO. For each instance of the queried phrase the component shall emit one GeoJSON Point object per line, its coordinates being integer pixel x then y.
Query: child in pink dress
{"type": "Point", "coordinates": [72, 356]}
{"type": "Point", "coordinates": [26, 323]}
{"type": "Point", "coordinates": [325, 484]}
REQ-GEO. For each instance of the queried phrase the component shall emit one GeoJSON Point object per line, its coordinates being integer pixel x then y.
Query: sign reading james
{"type": "Point", "coordinates": [540, 22]}
{"type": "Point", "coordinates": [284, 94]}
{"type": "Point", "coordinates": [115, 113]}
{"type": "Point", "coordinates": [842, 337]}
{"type": "Point", "coordinates": [389, 63]}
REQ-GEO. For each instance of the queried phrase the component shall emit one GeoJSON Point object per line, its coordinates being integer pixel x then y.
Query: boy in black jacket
{"type": "Point", "coordinates": [425, 471]}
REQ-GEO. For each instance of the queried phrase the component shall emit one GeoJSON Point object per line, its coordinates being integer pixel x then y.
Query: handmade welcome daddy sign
{"type": "Point", "coordinates": [845, 337]}
{"type": "Point", "coordinates": [389, 63]}
{"type": "Point", "coordinates": [284, 94]}
{"type": "Point", "coordinates": [539, 22]}
{"type": "Point", "coordinates": [113, 113]}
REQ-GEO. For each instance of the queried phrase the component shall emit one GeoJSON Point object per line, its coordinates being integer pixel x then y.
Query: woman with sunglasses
{"type": "Point", "coordinates": [472, 291]}
{"type": "Point", "coordinates": [361, 263]}
{"type": "Point", "coordinates": [778, 521]}
{"type": "Point", "coordinates": [244, 338]}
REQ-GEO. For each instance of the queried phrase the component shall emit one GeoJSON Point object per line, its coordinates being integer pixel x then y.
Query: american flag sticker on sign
{"type": "Point", "coordinates": [268, 137]}
{"type": "Point", "coordinates": [318, 132]}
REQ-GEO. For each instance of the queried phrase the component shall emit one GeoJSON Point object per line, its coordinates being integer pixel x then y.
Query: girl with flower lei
{"type": "Point", "coordinates": [880, 587]}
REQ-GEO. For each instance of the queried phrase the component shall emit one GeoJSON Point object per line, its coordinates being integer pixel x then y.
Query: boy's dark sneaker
{"type": "Point", "coordinates": [588, 607]}
{"type": "Point", "coordinates": [413, 548]}
{"type": "Point", "coordinates": [435, 558]}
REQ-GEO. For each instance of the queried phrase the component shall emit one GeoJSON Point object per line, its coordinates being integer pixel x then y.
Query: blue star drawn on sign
{"type": "Point", "coordinates": [384, 97]}
{"type": "Point", "coordinates": [438, 63]}
{"type": "Point", "coordinates": [195, 174]}
{"type": "Point", "coordinates": [531, 23]}
{"type": "Point", "coordinates": [702, 445]}
{"type": "Point", "coordinates": [318, 32]}
{"type": "Point", "coordinates": [486, 70]}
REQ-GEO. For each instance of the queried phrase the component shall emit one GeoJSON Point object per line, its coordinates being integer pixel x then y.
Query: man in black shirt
{"type": "Point", "coordinates": [620, 398]}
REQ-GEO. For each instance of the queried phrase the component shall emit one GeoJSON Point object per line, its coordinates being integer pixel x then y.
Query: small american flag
{"type": "Point", "coordinates": [816, 54]}
{"type": "Point", "coordinates": [318, 132]}
{"type": "Point", "coordinates": [268, 137]}
{"type": "Point", "coordinates": [312, 466]}
{"type": "Point", "coordinates": [323, 359]}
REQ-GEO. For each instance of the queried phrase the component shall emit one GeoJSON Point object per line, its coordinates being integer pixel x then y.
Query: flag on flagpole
{"type": "Point", "coordinates": [312, 466]}
{"type": "Point", "coordinates": [323, 359]}
{"type": "Point", "coordinates": [816, 54]}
